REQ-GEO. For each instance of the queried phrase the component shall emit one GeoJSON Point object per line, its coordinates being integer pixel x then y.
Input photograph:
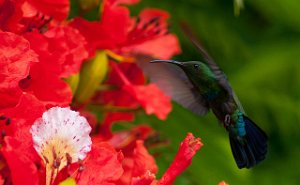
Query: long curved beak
{"type": "Point", "coordinates": [167, 61]}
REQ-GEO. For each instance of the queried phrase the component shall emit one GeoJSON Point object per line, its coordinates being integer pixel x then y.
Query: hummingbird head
{"type": "Point", "coordinates": [195, 70]}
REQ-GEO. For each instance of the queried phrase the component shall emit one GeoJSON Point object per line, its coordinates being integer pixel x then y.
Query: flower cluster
{"type": "Point", "coordinates": [64, 83]}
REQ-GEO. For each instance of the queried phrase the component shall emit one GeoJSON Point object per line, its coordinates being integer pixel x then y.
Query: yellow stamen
{"type": "Point", "coordinates": [55, 155]}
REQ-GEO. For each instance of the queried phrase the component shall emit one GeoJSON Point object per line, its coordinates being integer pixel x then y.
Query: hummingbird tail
{"type": "Point", "coordinates": [252, 148]}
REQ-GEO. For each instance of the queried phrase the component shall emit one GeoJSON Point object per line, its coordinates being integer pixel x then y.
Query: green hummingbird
{"type": "Point", "coordinates": [202, 86]}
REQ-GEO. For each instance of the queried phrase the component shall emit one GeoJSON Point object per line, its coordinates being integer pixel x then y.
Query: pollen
{"type": "Point", "coordinates": [60, 137]}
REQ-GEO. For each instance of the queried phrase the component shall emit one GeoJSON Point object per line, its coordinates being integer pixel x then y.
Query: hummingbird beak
{"type": "Point", "coordinates": [167, 61]}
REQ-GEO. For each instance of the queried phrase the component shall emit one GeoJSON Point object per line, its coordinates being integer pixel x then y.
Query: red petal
{"type": "Point", "coordinates": [23, 170]}
{"type": "Point", "coordinates": [183, 159]}
{"type": "Point", "coordinates": [110, 119]}
{"type": "Point", "coordinates": [120, 97]}
{"type": "Point", "coordinates": [222, 183]}
{"type": "Point", "coordinates": [164, 47]}
{"type": "Point", "coordinates": [63, 48]}
{"type": "Point", "coordinates": [28, 108]}
{"type": "Point", "coordinates": [57, 9]}
{"type": "Point", "coordinates": [97, 36]}
{"type": "Point", "coordinates": [69, 46]}
{"type": "Point", "coordinates": [116, 19]}
{"type": "Point", "coordinates": [102, 165]}
{"type": "Point", "coordinates": [147, 179]}
{"type": "Point", "coordinates": [10, 15]}
{"type": "Point", "coordinates": [152, 99]}
{"type": "Point", "coordinates": [137, 164]}
{"type": "Point", "coordinates": [143, 161]}
{"type": "Point", "coordinates": [58, 57]}
{"type": "Point", "coordinates": [15, 59]}
{"type": "Point", "coordinates": [125, 2]}
{"type": "Point", "coordinates": [48, 87]}
{"type": "Point", "coordinates": [126, 140]}
{"type": "Point", "coordinates": [1, 180]}
{"type": "Point", "coordinates": [149, 13]}
{"type": "Point", "coordinates": [158, 45]}
{"type": "Point", "coordinates": [23, 114]}
{"type": "Point", "coordinates": [111, 30]}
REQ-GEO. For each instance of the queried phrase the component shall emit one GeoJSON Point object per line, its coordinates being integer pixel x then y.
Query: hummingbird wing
{"type": "Point", "coordinates": [173, 81]}
{"type": "Point", "coordinates": [220, 75]}
{"type": "Point", "coordinates": [208, 59]}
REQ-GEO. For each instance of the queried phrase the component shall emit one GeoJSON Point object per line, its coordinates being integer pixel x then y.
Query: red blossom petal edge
{"type": "Point", "coordinates": [103, 165]}
{"type": "Point", "coordinates": [146, 179]}
{"type": "Point", "coordinates": [143, 161]}
{"type": "Point", "coordinates": [160, 43]}
{"type": "Point", "coordinates": [23, 170]}
{"type": "Point", "coordinates": [222, 183]}
{"type": "Point", "coordinates": [57, 9]}
{"type": "Point", "coordinates": [151, 98]}
{"type": "Point", "coordinates": [15, 59]}
{"type": "Point", "coordinates": [69, 46]}
{"type": "Point", "coordinates": [188, 148]}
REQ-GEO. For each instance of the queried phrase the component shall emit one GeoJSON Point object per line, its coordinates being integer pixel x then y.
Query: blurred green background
{"type": "Point", "coordinates": [259, 50]}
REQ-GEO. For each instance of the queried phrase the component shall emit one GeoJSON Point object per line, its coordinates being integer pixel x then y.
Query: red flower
{"type": "Point", "coordinates": [222, 183]}
{"type": "Point", "coordinates": [116, 31]}
{"type": "Point", "coordinates": [143, 161]}
{"type": "Point", "coordinates": [125, 140]}
{"type": "Point", "coordinates": [56, 92]}
{"type": "Point", "coordinates": [118, 97]}
{"type": "Point", "coordinates": [23, 114]}
{"type": "Point", "coordinates": [110, 31]}
{"type": "Point", "coordinates": [57, 9]}
{"type": "Point", "coordinates": [22, 167]}
{"type": "Point", "coordinates": [127, 2]}
{"type": "Point", "coordinates": [26, 15]}
{"type": "Point", "coordinates": [10, 15]}
{"type": "Point", "coordinates": [16, 57]}
{"type": "Point", "coordinates": [62, 48]}
{"type": "Point", "coordinates": [146, 179]}
{"type": "Point", "coordinates": [103, 165]}
{"type": "Point", "coordinates": [110, 119]}
{"type": "Point", "coordinates": [150, 97]}
{"type": "Point", "coordinates": [18, 151]}
{"type": "Point", "coordinates": [183, 159]}
{"type": "Point", "coordinates": [137, 164]}
{"type": "Point", "coordinates": [149, 35]}
{"type": "Point", "coordinates": [61, 52]}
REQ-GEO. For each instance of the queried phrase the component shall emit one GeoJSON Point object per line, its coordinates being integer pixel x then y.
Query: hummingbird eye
{"type": "Point", "coordinates": [196, 66]}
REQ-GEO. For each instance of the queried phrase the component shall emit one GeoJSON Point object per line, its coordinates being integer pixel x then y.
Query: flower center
{"type": "Point", "coordinates": [57, 153]}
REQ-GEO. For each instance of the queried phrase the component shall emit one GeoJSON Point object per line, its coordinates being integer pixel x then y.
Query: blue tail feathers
{"type": "Point", "coordinates": [251, 149]}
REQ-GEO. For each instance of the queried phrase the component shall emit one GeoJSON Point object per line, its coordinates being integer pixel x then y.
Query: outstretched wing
{"type": "Point", "coordinates": [208, 59]}
{"type": "Point", "coordinates": [173, 81]}
{"type": "Point", "coordinates": [220, 75]}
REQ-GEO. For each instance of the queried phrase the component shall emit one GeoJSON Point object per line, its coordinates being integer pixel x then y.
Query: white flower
{"type": "Point", "coordinates": [61, 137]}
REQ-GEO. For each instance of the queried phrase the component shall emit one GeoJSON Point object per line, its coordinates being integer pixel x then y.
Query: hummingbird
{"type": "Point", "coordinates": [201, 86]}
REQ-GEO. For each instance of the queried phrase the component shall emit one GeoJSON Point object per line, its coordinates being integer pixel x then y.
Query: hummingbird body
{"type": "Point", "coordinates": [208, 88]}
{"type": "Point", "coordinates": [218, 98]}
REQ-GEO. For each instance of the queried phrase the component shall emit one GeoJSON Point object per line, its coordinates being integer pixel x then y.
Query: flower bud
{"type": "Point", "coordinates": [92, 75]}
